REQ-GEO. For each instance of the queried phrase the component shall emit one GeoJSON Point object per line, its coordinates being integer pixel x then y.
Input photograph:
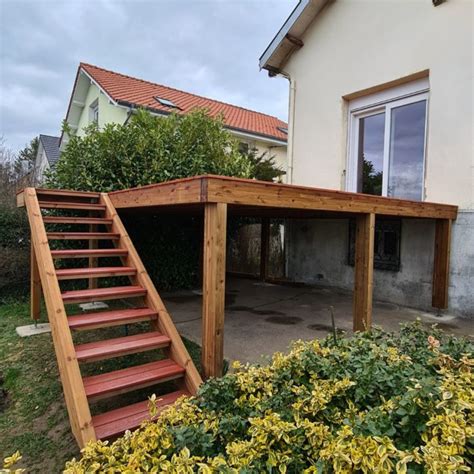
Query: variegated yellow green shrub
{"type": "Point", "coordinates": [376, 402]}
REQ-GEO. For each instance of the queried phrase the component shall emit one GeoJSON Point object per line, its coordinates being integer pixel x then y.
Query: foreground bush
{"type": "Point", "coordinates": [377, 402]}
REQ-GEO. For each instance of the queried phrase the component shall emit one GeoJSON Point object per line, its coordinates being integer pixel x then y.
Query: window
{"type": "Point", "coordinates": [94, 112]}
{"type": "Point", "coordinates": [386, 244]}
{"type": "Point", "coordinates": [387, 142]}
{"type": "Point", "coordinates": [166, 103]}
{"type": "Point", "coordinates": [243, 148]}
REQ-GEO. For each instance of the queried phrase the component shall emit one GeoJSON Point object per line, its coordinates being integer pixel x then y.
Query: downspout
{"type": "Point", "coordinates": [291, 123]}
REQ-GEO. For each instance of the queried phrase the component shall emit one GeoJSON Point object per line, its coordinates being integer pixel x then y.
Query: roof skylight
{"type": "Point", "coordinates": [166, 102]}
{"type": "Point", "coordinates": [283, 129]}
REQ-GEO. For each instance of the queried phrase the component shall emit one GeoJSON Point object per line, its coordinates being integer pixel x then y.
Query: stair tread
{"type": "Point", "coordinates": [115, 422]}
{"type": "Point", "coordinates": [80, 253]}
{"type": "Point", "coordinates": [76, 220]}
{"type": "Point", "coordinates": [71, 205]}
{"type": "Point", "coordinates": [83, 235]}
{"type": "Point", "coordinates": [94, 271]}
{"type": "Point", "coordinates": [67, 192]}
{"type": "Point", "coordinates": [132, 377]}
{"type": "Point", "coordinates": [112, 292]}
{"type": "Point", "coordinates": [110, 318]}
{"type": "Point", "coordinates": [108, 348]}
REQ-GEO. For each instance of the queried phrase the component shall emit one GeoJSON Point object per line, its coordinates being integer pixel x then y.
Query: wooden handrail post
{"type": "Point", "coordinates": [264, 247]}
{"type": "Point", "coordinates": [363, 272]}
{"type": "Point", "coordinates": [441, 263]}
{"type": "Point", "coordinates": [35, 286]}
{"type": "Point", "coordinates": [213, 301]}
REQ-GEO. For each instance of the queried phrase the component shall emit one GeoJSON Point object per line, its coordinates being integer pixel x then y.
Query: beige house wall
{"type": "Point", "coordinates": [355, 45]}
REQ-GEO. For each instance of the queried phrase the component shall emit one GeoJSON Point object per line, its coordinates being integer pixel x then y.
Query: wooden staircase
{"type": "Point", "coordinates": [95, 211]}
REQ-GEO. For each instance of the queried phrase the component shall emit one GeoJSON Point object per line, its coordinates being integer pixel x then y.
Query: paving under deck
{"type": "Point", "coordinates": [263, 318]}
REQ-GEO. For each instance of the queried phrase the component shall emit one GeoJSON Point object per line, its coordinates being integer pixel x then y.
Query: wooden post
{"type": "Point", "coordinates": [363, 272]}
{"type": "Point", "coordinates": [441, 263]}
{"type": "Point", "coordinates": [264, 247]}
{"type": "Point", "coordinates": [213, 302]}
{"type": "Point", "coordinates": [35, 292]}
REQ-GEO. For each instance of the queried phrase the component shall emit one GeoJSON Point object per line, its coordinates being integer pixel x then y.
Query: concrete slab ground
{"type": "Point", "coordinates": [263, 318]}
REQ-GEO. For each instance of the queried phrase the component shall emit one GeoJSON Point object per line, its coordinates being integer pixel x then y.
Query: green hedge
{"type": "Point", "coordinates": [376, 402]}
{"type": "Point", "coordinates": [14, 253]}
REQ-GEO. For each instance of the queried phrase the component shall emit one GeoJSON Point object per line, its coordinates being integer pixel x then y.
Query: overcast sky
{"type": "Point", "coordinates": [207, 47]}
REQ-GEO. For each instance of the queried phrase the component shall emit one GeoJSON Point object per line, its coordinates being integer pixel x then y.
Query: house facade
{"type": "Point", "coordinates": [381, 102]}
{"type": "Point", "coordinates": [109, 97]}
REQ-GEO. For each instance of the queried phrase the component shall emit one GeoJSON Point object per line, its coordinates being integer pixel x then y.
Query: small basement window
{"type": "Point", "coordinates": [166, 103]}
{"type": "Point", "coordinates": [386, 244]}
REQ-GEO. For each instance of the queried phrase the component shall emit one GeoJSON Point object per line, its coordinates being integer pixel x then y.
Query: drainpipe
{"type": "Point", "coordinates": [291, 122]}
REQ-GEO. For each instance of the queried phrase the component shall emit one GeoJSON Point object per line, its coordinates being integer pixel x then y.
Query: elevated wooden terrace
{"type": "Point", "coordinates": [216, 197]}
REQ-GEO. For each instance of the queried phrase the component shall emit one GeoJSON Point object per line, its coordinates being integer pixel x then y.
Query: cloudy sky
{"type": "Point", "coordinates": [209, 47]}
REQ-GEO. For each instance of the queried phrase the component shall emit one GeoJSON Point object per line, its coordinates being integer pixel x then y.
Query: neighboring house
{"type": "Point", "coordinates": [46, 156]}
{"type": "Point", "coordinates": [106, 96]}
{"type": "Point", "coordinates": [381, 102]}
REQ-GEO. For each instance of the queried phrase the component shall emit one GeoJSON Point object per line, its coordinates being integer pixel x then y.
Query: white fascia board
{"type": "Point", "coordinates": [296, 24]}
{"type": "Point", "coordinates": [280, 36]}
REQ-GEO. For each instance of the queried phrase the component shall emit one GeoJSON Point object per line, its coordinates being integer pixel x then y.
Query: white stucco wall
{"type": "Point", "coordinates": [354, 45]}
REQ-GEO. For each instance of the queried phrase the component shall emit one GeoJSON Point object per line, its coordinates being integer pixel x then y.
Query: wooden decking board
{"type": "Point", "coordinates": [110, 318]}
{"type": "Point", "coordinates": [131, 378]}
{"type": "Point", "coordinates": [98, 294]}
{"type": "Point", "coordinates": [264, 195]}
{"type": "Point", "coordinates": [77, 273]}
{"type": "Point", "coordinates": [84, 253]}
{"type": "Point", "coordinates": [109, 348]}
{"type": "Point", "coordinates": [116, 422]}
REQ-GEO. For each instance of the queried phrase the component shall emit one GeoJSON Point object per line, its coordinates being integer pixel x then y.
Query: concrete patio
{"type": "Point", "coordinates": [261, 318]}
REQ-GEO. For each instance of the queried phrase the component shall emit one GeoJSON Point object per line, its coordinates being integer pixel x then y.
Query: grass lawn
{"type": "Point", "coordinates": [33, 417]}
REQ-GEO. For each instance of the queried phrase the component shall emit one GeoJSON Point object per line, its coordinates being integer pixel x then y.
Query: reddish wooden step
{"type": "Point", "coordinates": [79, 253]}
{"type": "Point", "coordinates": [67, 193]}
{"type": "Point", "coordinates": [105, 319]}
{"type": "Point", "coordinates": [82, 236]}
{"type": "Point", "coordinates": [71, 205]}
{"type": "Point", "coordinates": [76, 220]}
{"type": "Point", "coordinates": [119, 346]}
{"type": "Point", "coordinates": [116, 422]}
{"type": "Point", "coordinates": [132, 378]}
{"type": "Point", "coordinates": [99, 294]}
{"type": "Point", "coordinates": [77, 273]}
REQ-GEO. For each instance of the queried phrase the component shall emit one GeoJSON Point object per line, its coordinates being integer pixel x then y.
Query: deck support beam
{"type": "Point", "coordinates": [35, 291]}
{"type": "Point", "coordinates": [264, 247]}
{"type": "Point", "coordinates": [213, 301]}
{"type": "Point", "coordinates": [363, 272]}
{"type": "Point", "coordinates": [441, 263]}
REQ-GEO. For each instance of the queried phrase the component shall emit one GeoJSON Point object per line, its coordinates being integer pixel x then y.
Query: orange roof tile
{"type": "Point", "coordinates": [130, 90]}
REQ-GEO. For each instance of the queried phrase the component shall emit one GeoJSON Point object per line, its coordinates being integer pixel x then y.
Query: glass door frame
{"type": "Point", "coordinates": [375, 104]}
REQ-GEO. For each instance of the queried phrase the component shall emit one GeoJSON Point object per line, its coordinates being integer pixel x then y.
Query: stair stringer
{"type": "Point", "coordinates": [164, 323]}
{"type": "Point", "coordinates": [69, 371]}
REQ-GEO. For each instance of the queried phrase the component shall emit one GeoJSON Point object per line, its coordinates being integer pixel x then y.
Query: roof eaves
{"type": "Point", "coordinates": [300, 18]}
